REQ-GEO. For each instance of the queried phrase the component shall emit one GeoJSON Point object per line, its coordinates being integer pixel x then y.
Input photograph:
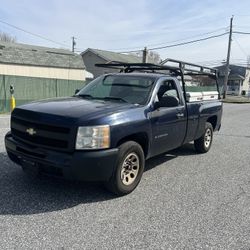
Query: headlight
{"type": "Point", "coordinates": [96, 137]}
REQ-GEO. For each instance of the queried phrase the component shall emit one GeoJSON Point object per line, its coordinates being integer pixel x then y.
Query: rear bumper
{"type": "Point", "coordinates": [81, 165]}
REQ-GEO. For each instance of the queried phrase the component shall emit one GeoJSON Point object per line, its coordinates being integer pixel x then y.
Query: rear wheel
{"type": "Point", "coordinates": [203, 144]}
{"type": "Point", "coordinates": [129, 170]}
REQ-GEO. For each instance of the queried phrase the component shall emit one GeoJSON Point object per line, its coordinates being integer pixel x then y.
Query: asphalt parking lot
{"type": "Point", "coordinates": [184, 201]}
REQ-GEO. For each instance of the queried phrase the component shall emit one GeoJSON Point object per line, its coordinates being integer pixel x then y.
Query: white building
{"type": "Point", "coordinates": [38, 72]}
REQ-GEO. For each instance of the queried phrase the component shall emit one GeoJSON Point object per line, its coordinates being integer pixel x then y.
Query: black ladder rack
{"type": "Point", "coordinates": [171, 65]}
{"type": "Point", "coordinates": [131, 67]}
{"type": "Point", "coordinates": [190, 68]}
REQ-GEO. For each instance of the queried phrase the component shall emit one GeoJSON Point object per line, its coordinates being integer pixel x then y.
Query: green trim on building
{"type": "Point", "coordinates": [28, 89]}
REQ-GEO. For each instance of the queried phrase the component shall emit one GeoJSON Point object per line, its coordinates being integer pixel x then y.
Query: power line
{"type": "Point", "coordinates": [207, 33]}
{"type": "Point", "coordinates": [180, 44]}
{"type": "Point", "coordinates": [186, 38]}
{"type": "Point", "coordinates": [158, 33]}
{"type": "Point", "coordinates": [33, 34]}
{"type": "Point", "coordinates": [210, 62]}
{"type": "Point", "coordinates": [241, 32]}
{"type": "Point", "coordinates": [207, 61]}
{"type": "Point", "coordinates": [193, 41]}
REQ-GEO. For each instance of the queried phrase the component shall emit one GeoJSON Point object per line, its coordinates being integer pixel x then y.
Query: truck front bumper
{"type": "Point", "coordinates": [95, 165]}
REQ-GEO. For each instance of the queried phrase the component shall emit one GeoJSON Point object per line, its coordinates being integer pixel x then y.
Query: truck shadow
{"type": "Point", "coordinates": [187, 149]}
{"type": "Point", "coordinates": [21, 195]}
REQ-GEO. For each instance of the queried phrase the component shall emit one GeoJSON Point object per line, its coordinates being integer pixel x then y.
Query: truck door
{"type": "Point", "coordinates": [168, 123]}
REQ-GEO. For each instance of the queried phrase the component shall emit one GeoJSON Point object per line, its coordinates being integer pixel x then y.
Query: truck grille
{"type": "Point", "coordinates": [38, 134]}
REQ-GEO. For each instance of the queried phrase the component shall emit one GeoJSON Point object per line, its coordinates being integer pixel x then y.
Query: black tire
{"type": "Point", "coordinates": [120, 181]}
{"type": "Point", "coordinates": [203, 144]}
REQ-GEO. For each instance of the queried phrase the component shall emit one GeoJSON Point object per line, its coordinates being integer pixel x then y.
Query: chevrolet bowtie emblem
{"type": "Point", "coordinates": [30, 131]}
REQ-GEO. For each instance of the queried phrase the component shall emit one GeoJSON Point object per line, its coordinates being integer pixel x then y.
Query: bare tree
{"type": "Point", "coordinates": [153, 57]}
{"type": "Point", "coordinates": [7, 38]}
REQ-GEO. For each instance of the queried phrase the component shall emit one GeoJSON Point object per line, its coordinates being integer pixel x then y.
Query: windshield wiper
{"type": "Point", "coordinates": [102, 98]}
{"type": "Point", "coordinates": [85, 96]}
{"type": "Point", "coordinates": [113, 98]}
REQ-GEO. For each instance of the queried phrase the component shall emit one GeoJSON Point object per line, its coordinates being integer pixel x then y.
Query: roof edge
{"type": "Point", "coordinates": [103, 57]}
{"type": "Point", "coordinates": [94, 51]}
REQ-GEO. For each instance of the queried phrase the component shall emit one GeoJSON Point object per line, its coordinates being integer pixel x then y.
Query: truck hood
{"type": "Point", "coordinates": [74, 108]}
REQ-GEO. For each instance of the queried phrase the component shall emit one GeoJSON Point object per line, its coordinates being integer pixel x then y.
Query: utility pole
{"type": "Point", "coordinates": [73, 44]}
{"type": "Point", "coordinates": [228, 58]}
{"type": "Point", "coordinates": [145, 55]}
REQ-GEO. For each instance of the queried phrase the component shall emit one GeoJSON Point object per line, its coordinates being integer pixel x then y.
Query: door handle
{"type": "Point", "coordinates": [180, 115]}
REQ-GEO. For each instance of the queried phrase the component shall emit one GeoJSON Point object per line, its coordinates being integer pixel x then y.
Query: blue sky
{"type": "Point", "coordinates": [127, 25]}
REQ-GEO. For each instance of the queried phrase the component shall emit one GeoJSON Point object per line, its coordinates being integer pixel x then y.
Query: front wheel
{"type": "Point", "coordinates": [129, 170]}
{"type": "Point", "coordinates": [203, 144]}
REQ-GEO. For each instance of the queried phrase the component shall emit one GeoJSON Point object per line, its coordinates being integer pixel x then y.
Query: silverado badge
{"type": "Point", "coordinates": [30, 131]}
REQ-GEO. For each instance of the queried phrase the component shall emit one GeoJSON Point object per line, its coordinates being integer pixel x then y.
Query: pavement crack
{"type": "Point", "coordinates": [241, 193]}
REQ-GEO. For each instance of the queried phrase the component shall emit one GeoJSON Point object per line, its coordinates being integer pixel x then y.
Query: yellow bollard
{"type": "Point", "coordinates": [12, 102]}
{"type": "Point", "coordinates": [12, 98]}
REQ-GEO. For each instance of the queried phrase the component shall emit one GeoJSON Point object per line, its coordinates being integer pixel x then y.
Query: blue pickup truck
{"type": "Point", "coordinates": [107, 130]}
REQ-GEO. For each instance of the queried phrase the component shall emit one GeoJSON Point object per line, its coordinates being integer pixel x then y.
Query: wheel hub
{"type": "Point", "coordinates": [208, 138]}
{"type": "Point", "coordinates": [130, 169]}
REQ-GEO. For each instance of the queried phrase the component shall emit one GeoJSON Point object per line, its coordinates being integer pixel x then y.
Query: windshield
{"type": "Point", "coordinates": [124, 88]}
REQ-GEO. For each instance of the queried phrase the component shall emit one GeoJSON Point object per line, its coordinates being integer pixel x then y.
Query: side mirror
{"type": "Point", "coordinates": [76, 91]}
{"type": "Point", "coordinates": [168, 101]}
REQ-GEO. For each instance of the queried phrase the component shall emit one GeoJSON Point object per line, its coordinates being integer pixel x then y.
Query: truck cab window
{"type": "Point", "coordinates": [167, 88]}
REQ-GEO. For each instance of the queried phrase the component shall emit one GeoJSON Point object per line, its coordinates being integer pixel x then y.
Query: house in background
{"type": "Point", "coordinates": [93, 56]}
{"type": "Point", "coordinates": [238, 79]}
{"type": "Point", "coordinates": [38, 72]}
